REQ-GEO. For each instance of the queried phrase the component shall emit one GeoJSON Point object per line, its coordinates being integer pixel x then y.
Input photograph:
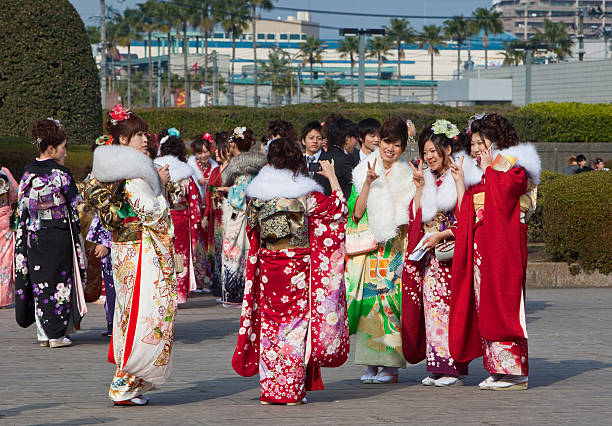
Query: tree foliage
{"type": "Point", "coordinates": [47, 70]}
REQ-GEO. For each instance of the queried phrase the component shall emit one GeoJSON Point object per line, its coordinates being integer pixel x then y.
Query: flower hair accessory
{"type": "Point", "coordinates": [119, 113]}
{"type": "Point", "coordinates": [57, 122]}
{"type": "Point", "coordinates": [171, 132]}
{"type": "Point", "coordinates": [446, 128]}
{"type": "Point", "coordinates": [411, 131]}
{"type": "Point", "coordinates": [104, 140]}
{"type": "Point", "coordinates": [237, 133]}
{"type": "Point", "coordinates": [473, 118]}
{"type": "Point", "coordinates": [208, 137]}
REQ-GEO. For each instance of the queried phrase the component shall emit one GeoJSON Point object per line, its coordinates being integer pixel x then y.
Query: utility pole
{"type": "Point", "coordinates": [215, 79]}
{"type": "Point", "coordinates": [361, 33]}
{"type": "Point", "coordinates": [159, 78]}
{"type": "Point", "coordinates": [299, 83]}
{"type": "Point", "coordinates": [580, 31]}
{"type": "Point", "coordinates": [229, 86]}
{"type": "Point", "coordinates": [103, 53]}
{"type": "Point", "coordinates": [528, 76]}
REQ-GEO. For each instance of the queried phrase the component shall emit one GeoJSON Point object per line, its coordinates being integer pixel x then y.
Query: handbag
{"type": "Point", "coordinates": [444, 251]}
{"type": "Point", "coordinates": [179, 266]}
{"type": "Point", "coordinates": [360, 242]}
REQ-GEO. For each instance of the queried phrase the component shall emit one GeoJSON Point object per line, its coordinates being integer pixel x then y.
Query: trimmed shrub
{"type": "Point", "coordinates": [47, 70]}
{"type": "Point", "coordinates": [535, 230]}
{"type": "Point", "coordinates": [577, 219]}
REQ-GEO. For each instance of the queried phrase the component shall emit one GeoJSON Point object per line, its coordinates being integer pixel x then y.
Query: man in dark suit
{"type": "Point", "coordinates": [342, 137]}
{"type": "Point", "coordinates": [312, 141]}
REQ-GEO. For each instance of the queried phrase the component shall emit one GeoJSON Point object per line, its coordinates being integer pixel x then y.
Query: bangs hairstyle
{"type": "Point", "coordinates": [173, 146]}
{"type": "Point", "coordinates": [440, 141]}
{"type": "Point", "coordinates": [497, 129]}
{"type": "Point", "coordinates": [368, 126]}
{"type": "Point", "coordinates": [339, 130]}
{"type": "Point", "coordinates": [395, 129]}
{"type": "Point", "coordinates": [49, 133]}
{"type": "Point", "coordinates": [128, 127]}
{"type": "Point", "coordinates": [221, 143]}
{"type": "Point", "coordinates": [284, 153]}
{"type": "Point", "coordinates": [309, 127]}
{"type": "Point", "coordinates": [198, 143]}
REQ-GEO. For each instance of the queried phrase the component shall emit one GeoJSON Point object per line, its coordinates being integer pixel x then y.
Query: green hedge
{"type": "Point", "coordinates": [535, 230]}
{"type": "Point", "coordinates": [47, 70]}
{"type": "Point", "coordinates": [577, 219]}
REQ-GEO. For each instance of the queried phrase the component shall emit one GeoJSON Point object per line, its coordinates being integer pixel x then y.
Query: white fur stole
{"type": "Point", "coordinates": [436, 198]}
{"type": "Point", "coordinates": [271, 183]}
{"type": "Point", "coordinates": [390, 196]}
{"type": "Point", "coordinates": [117, 162]}
{"type": "Point", "coordinates": [178, 170]}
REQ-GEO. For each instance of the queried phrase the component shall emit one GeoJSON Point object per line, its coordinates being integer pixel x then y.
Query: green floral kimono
{"type": "Point", "coordinates": [374, 292]}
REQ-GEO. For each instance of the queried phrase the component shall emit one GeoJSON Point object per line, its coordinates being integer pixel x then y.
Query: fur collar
{"type": "Point", "coordinates": [527, 155]}
{"type": "Point", "coordinates": [197, 172]}
{"type": "Point", "coordinates": [178, 169]}
{"type": "Point", "coordinates": [117, 162]}
{"type": "Point", "coordinates": [435, 198]}
{"type": "Point", "coordinates": [389, 198]}
{"type": "Point", "coordinates": [271, 183]}
{"type": "Point", "coordinates": [247, 163]}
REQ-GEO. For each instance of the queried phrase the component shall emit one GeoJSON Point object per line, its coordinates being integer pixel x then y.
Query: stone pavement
{"type": "Point", "coordinates": [571, 377]}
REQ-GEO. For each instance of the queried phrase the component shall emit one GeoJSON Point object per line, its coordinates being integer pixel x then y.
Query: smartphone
{"type": "Point", "coordinates": [314, 167]}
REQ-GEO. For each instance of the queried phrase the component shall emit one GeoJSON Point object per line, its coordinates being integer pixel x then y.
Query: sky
{"type": "Point", "coordinates": [90, 11]}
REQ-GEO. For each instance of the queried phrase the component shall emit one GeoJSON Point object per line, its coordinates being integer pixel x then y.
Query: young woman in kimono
{"type": "Point", "coordinates": [382, 190]}
{"type": "Point", "coordinates": [186, 210]}
{"type": "Point", "coordinates": [8, 197]}
{"type": "Point", "coordinates": [49, 252]}
{"type": "Point", "coordinates": [294, 311]}
{"type": "Point", "coordinates": [213, 212]}
{"type": "Point", "coordinates": [240, 171]}
{"type": "Point", "coordinates": [130, 203]}
{"type": "Point", "coordinates": [426, 289]}
{"type": "Point", "coordinates": [202, 161]}
{"type": "Point", "coordinates": [496, 194]}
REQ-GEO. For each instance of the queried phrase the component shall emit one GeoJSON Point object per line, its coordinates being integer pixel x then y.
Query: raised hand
{"type": "Point", "coordinates": [164, 174]}
{"type": "Point", "coordinates": [417, 175]}
{"type": "Point", "coordinates": [457, 169]}
{"type": "Point", "coordinates": [371, 176]}
{"type": "Point", "coordinates": [486, 159]}
{"type": "Point", "coordinates": [327, 168]}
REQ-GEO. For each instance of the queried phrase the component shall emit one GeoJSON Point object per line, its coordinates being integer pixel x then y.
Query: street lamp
{"type": "Point", "coordinates": [361, 33]}
{"type": "Point", "coordinates": [528, 48]}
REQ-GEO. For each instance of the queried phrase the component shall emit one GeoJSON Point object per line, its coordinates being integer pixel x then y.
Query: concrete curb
{"type": "Point", "coordinates": [558, 275]}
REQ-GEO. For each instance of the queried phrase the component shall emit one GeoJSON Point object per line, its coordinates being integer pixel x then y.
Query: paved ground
{"type": "Point", "coordinates": [571, 381]}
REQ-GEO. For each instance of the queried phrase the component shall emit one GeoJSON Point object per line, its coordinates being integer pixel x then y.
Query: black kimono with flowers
{"type": "Point", "coordinates": [49, 256]}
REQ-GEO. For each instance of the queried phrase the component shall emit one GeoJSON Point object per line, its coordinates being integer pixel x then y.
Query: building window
{"type": "Point", "coordinates": [261, 36]}
{"type": "Point", "coordinates": [303, 36]}
{"type": "Point", "coordinates": [284, 36]}
{"type": "Point", "coordinates": [218, 35]}
{"type": "Point", "coordinates": [294, 36]}
{"type": "Point", "coordinates": [270, 36]}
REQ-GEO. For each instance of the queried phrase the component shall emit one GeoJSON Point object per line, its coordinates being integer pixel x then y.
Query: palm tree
{"type": "Point", "coordinates": [165, 18]}
{"type": "Point", "coordinates": [490, 22]}
{"type": "Point", "coordinates": [311, 53]}
{"type": "Point", "coordinates": [400, 32]}
{"type": "Point", "coordinates": [183, 15]}
{"type": "Point", "coordinates": [556, 39]}
{"type": "Point", "coordinates": [129, 28]}
{"type": "Point", "coordinates": [93, 33]}
{"type": "Point", "coordinates": [149, 12]}
{"type": "Point", "coordinates": [254, 4]}
{"type": "Point", "coordinates": [511, 55]}
{"type": "Point", "coordinates": [432, 38]}
{"type": "Point", "coordinates": [349, 47]}
{"type": "Point", "coordinates": [277, 72]}
{"type": "Point", "coordinates": [206, 23]}
{"type": "Point", "coordinates": [330, 91]}
{"type": "Point", "coordinates": [378, 48]}
{"type": "Point", "coordinates": [112, 36]}
{"type": "Point", "coordinates": [233, 16]}
{"type": "Point", "coordinates": [457, 28]}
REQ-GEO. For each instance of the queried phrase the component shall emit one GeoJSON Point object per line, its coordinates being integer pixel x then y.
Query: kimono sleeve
{"type": "Point", "coordinates": [149, 208]}
{"type": "Point", "coordinates": [236, 196]}
{"type": "Point", "coordinates": [24, 297]}
{"type": "Point", "coordinates": [106, 198]}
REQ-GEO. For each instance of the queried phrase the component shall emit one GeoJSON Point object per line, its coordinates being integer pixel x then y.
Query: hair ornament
{"type": "Point", "coordinates": [237, 133]}
{"type": "Point", "coordinates": [104, 140]}
{"type": "Point", "coordinates": [171, 132]}
{"type": "Point", "coordinates": [37, 141]}
{"type": "Point", "coordinates": [208, 137]}
{"type": "Point", "coordinates": [57, 122]}
{"type": "Point", "coordinates": [473, 118]}
{"type": "Point", "coordinates": [446, 128]}
{"type": "Point", "coordinates": [118, 114]}
{"type": "Point", "coordinates": [412, 131]}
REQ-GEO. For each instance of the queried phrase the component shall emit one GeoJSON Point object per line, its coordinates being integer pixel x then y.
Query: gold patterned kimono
{"type": "Point", "coordinates": [145, 282]}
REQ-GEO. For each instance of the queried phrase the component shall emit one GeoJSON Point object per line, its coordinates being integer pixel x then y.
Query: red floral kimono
{"type": "Point", "coordinates": [489, 264]}
{"type": "Point", "coordinates": [214, 233]}
{"type": "Point", "coordinates": [294, 317]}
{"type": "Point", "coordinates": [192, 271]}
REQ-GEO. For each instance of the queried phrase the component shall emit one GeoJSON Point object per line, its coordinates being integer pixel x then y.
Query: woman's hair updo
{"type": "Point", "coordinates": [440, 141]}
{"type": "Point", "coordinates": [127, 126]}
{"type": "Point", "coordinates": [284, 153]}
{"type": "Point", "coordinates": [243, 138]}
{"type": "Point", "coordinates": [497, 129]}
{"type": "Point", "coordinates": [173, 145]}
{"type": "Point", "coordinates": [395, 129]}
{"type": "Point", "coordinates": [46, 133]}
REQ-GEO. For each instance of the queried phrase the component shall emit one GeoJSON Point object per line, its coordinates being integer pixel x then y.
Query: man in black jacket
{"type": "Point", "coordinates": [342, 137]}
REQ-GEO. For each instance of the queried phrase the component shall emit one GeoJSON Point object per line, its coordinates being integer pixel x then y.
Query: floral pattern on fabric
{"type": "Point", "coordinates": [289, 292]}
{"type": "Point", "coordinates": [214, 235]}
{"type": "Point", "coordinates": [500, 357]}
{"type": "Point", "coordinates": [8, 195]}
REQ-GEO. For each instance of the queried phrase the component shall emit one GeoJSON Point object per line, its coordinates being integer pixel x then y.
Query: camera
{"type": "Point", "coordinates": [314, 167]}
